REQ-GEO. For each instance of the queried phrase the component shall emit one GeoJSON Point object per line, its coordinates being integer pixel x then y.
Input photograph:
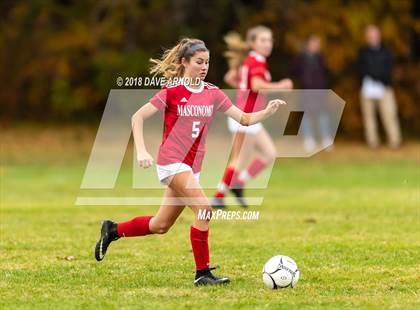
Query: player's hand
{"type": "Point", "coordinates": [273, 105]}
{"type": "Point", "coordinates": [144, 159]}
{"type": "Point", "coordinates": [285, 84]}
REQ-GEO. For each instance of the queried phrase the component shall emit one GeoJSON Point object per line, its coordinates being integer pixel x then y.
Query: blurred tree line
{"type": "Point", "coordinates": [59, 59]}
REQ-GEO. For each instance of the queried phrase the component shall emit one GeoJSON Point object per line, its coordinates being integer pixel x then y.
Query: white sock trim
{"type": "Point", "coordinates": [222, 187]}
{"type": "Point", "coordinates": [244, 176]}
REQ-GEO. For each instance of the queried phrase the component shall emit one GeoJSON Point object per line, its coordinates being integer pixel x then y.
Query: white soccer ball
{"type": "Point", "coordinates": [279, 272]}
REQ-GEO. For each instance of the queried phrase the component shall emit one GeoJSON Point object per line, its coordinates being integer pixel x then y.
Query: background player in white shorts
{"type": "Point", "coordinates": [249, 73]}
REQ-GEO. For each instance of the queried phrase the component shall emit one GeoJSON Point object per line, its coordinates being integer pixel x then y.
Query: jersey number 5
{"type": "Point", "coordinates": [195, 129]}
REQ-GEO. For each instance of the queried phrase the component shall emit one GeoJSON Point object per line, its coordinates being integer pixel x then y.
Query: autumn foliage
{"type": "Point", "coordinates": [59, 59]}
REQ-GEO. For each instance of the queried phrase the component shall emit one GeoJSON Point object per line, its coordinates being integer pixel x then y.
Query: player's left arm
{"type": "Point", "coordinates": [247, 119]}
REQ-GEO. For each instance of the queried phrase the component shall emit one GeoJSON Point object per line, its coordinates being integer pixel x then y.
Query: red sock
{"type": "Point", "coordinates": [200, 247]}
{"type": "Point", "coordinates": [256, 167]}
{"type": "Point", "coordinates": [227, 177]}
{"type": "Point", "coordinates": [138, 226]}
{"type": "Point", "coordinates": [219, 194]}
{"type": "Point", "coordinates": [226, 181]}
{"type": "Point", "coordinates": [236, 180]}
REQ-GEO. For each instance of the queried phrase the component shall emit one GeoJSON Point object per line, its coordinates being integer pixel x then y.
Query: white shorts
{"type": "Point", "coordinates": [234, 127]}
{"type": "Point", "coordinates": [165, 171]}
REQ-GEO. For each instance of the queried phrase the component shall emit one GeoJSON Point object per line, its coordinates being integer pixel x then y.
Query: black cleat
{"type": "Point", "coordinates": [108, 234]}
{"type": "Point", "coordinates": [239, 193]}
{"type": "Point", "coordinates": [217, 203]}
{"type": "Point", "coordinates": [205, 277]}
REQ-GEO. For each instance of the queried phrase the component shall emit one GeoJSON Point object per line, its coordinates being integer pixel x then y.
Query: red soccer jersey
{"type": "Point", "coordinates": [253, 66]}
{"type": "Point", "coordinates": [188, 114]}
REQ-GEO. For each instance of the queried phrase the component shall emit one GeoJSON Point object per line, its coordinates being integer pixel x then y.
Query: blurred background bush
{"type": "Point", "coordinates": [59, 59]}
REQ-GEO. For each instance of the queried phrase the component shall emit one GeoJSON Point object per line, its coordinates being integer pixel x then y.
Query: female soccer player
{"type": "Point", "coordinates": [189, 107]}
{"type": "Point", "coordinates": [249, 73]}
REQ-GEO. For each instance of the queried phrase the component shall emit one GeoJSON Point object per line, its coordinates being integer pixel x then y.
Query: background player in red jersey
{"type": "Point", "coordinates": [249, 73]}
{"type": "Point", "coordinates": [189, 106]}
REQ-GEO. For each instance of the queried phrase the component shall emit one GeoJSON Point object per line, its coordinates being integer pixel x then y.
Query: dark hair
{"type": "Point", "coordinates": [170, 64]}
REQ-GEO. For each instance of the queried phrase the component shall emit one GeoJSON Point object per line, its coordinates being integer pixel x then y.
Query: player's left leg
{"type": "Point", "coordinates": [389, 115]}
{"type": "Point", "coordinates": [186, 186]}
{"type": "Point", "coordinates": [230, 170]}
{"type": "Point", "coordinates": [244, 157]}
{"type": "Point", "coordinates": [265, 145]}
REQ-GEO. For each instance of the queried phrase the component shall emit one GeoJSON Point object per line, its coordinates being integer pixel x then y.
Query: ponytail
{"type": "Point", "coordinates": [170, 64]}
{"type": "Point", "coordinates": [237, 48]}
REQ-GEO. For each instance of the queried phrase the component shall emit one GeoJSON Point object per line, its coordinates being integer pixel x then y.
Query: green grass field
{"type": "Point", "coordinates": [350, 218]}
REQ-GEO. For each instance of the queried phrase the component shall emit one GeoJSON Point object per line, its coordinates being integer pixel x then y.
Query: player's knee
{"type": "Point", "coordinates": [270, 156]}
{"type": "Point", "coordinates": [162, 227]}
{"type": "Point", "coordinates": [209, 211]}
{"type": "Point", "coordinates": [205, 213]}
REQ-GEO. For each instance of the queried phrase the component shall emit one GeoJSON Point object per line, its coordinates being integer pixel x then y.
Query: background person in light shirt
{"type": "Point", "coordinates": [375, 68]}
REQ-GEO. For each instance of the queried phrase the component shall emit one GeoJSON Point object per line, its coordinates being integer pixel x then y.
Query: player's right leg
{"type": "Point", "coordinates": [141, 225]}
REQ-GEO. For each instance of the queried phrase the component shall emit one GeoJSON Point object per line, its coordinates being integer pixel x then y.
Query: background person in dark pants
{"type": "Point", "coordinates": [310, 72]}
{"type": "Point", "coordinates": [375, 67]}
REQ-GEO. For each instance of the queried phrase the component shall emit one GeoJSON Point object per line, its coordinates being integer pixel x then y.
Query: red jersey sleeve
{"type": "Point", "coordinates": [159, 99]}
{"type": "Point", "coordinates": [222, 102]}
{"type": "Point", "coordinates": [257, 69]}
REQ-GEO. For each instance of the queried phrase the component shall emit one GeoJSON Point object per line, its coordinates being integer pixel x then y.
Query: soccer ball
{"type": "Point", "coordinates": [279, 272]}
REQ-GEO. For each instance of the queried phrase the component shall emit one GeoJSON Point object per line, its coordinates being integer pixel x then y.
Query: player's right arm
{"type": "Point", "coordinates": [144, 159]}
{"type": "Point", "coordinates": [258, 84]}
